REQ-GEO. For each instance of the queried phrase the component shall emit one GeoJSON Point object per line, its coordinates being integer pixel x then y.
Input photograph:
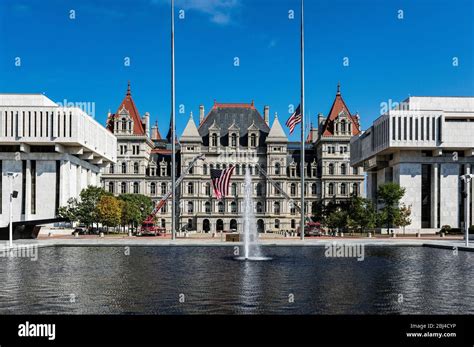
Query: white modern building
{"type": "Point", "coordinates": [424, 145]}
{"type": "Point", "coordinates": [54, 152]}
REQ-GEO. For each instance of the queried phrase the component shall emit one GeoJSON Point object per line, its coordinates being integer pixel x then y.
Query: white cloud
{"type": "Point", "coordinates": [218, 11]}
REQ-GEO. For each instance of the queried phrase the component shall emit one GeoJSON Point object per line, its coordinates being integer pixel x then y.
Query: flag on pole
{"type": "Point", "coordinates": [221, 181]}
{"type": "Point", "coordinates": [294, 119]}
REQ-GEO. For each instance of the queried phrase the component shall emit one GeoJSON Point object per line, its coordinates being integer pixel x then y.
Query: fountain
{"type": "Point", "coordinates": [251, 247]}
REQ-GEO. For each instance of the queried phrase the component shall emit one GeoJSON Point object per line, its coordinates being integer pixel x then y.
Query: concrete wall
{"type": "Point", "coordinates": [449, 196]}
{"type": "Point", "coordinates": [410, 179]}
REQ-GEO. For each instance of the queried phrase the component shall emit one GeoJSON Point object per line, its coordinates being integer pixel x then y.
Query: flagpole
{"type": "Point", "coordinates": [173, 131]}
{"type": "Point", "coordinates": [302, 163]}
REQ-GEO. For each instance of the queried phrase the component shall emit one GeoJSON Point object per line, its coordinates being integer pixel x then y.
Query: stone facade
{"type": "Point", "coordinates": [236, 134]}
{"type": "Point", "coordinates": [53, 151]}
{"type": "Point", "coordinates": [424, 146]}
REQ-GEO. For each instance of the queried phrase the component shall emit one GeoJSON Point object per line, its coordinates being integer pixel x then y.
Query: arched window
{"type": "Point", "coordinates": [276, 207]}
{"type": "Point", "coordinates": [124, 167]}
{"type": "Point", "coordinates": [331, 169]}
{"type": "Point", "coordinates": [331, 188]}
{"type": "Point", "coordinates": [220, 207]}
{"type": "Point", "coordinates": [214, 140]}
{"type": "Point", "coordinates": [153, 188]}
{"type": "Point", "coordinates": [259, 207]}
{"type": "Point", "coordinates": [259, 189]}
{"type": "Point", "coordinates": [135, 168]}
{"type": "Point", "coordinates": [234, 140]}
{"type": "Point", "coordinates": [343, 169]}
{"type": "Point", "coordinates": [190, 207]}
{"type": "Point", "coordinates": [204, 169]}
{"type": "Point", "coordinates": [277, 169]}
{"type": "Point", "coordinates": [111, 187]}
{"type": "Point", "coordinates": [237, 169]}
{"type": "Point", "coordinates": [207, 207]}
{"type": "Point", "coordinates": [233, 207]}
{"type": "Point", "coordinates": [355, 189]}
{"type": "Point", "coordinates": [293, 189]}
{"type": "Point", "coordinates": [190, 188]}
{"type": "Point", "coordinates": [163, 188]}
{"type": "Point", "coordinates": [136, 188]}
{"type": "Point", "coordinates": [243, 169]}
{"type": "Point", "coordinates": [313, 189]}
{"type": "Point", "coordinates": [123, 188]}
{"type": "Point", "coordinates": [343, 189]}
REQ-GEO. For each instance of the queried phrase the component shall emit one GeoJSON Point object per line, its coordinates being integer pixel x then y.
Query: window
{"type": "Point", "coordinates": [343, 169]}
{"type": "Point", "coordinates": [237, 169]}
{"type": "Point", "coordinates": [33, 186]}
{"type": "Point", "coordinates": [276, 208]}
{"type": "Point", "coordinates": [293, 189]}
{"type": "Point", "coordinates": [253, 140]}
{"type": "Point", "coordinates": [220, 207]}
{"type": "Point", "coordinates": [111, 187]}
{"type": "Point", "coordinates": [233, 207]}
{"type": "Point", "coordinates": [111, 168]}
{"type": "Point", "coordinates": [259, 189]}
{"type": "Point", "coordinates": [207, 189]}
{"type": "Point", "coordinates": [234, 189]}
{"type": "Point", "coordinates": [278, 188]}
{"type": "Point", "coordinates": [355, 189]}
{"type": "Point", "coordinates": [259, 207]}
{"type": "Point", "coordinates": [153, 188]}
{"type": "Point", "coordinates": [234, 140]}
{"type": "Point", "coordinates": [354, 171]}
{"type": "Point", "coordinates": [331, 189]}
{"type": "Point", "coordinates": [204, 169]}
{"type": "Point", "coordinates": [124, 167]}
{"type": "Point", "coordinates": [136, 188]}
{"type": "Point", "coordinates": [331, 169]}
{"type": "Point", "coordinates": [293, 224]}
{"type": "Point", "coordinates": [163, 171]}
{"type": "Point", "coordinates": [135, 168]}
{"type": "Point", "coordinates": [190, 207]}
{"type": "Point", "coordinates": [343, 189]}
{"type": "Point", "coordinates": [214, 140]}
{"type": "Point", "coordinates": [313, 189]}
{"type": "Point", "coordinates": [163, 188]}
{"type": "Point", "coordinates": [207, 207]}
{"type": "Point", "coordinates": [277, 224]}
{"type": "Point", "coordinates": [123, 188]}
{"type": "Point", "coordinates": [190, 188]}
{"type": "Point", "coordinates": [313, 171]}
{"type": "Point", "coordinates": [277, 169]}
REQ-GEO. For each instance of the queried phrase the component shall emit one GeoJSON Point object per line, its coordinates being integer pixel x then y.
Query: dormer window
{"type": "Point", "coordinates": [233, 140]}
{"type": "Point", "coordinates": [253, 140]}
{"type": "Point", "coordinates": [214, 140]}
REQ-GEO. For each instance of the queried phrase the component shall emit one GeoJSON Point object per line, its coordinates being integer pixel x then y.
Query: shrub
{"type": "Point", "coordinates": [445, 229]}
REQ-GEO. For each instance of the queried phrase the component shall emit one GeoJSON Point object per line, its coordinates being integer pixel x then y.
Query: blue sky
{"type": "Point", "coordinates": [82, 59]}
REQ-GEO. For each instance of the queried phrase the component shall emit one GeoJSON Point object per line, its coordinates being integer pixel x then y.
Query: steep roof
{"type": "Point", "coordinates": [155, 132]}
{"type": "Point", "coordinates": [237, 115]}
{"type": "Point", "coordinates": [129, 105]}
{"type": "Point", "coordinates": [337, 108]}
{"type": "Point", "coordinates": [277, 134]}
{"type": "Point", "coordinates": [191, 133]}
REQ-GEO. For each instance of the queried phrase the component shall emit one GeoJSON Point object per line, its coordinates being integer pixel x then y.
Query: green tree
{"type": "Point", "coordinates": [70, 211]}
{"type": "Point", "coordinates": [390, 195]}
{"type": "Point", "coordinates": [87, 207]}
{"type": "Point", "coordinates": [337, 220]}
{"type": "Point", "coordinates": [404, 216]}
{"type": "Point", "coordinates": [137, 208]}
{"type": "Point", "coordinates": [109, 210]}
{"type": "Point", "coordinates": [361, 214]}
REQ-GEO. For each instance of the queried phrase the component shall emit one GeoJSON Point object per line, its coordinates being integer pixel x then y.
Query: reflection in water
{"type": "Point", "coordinates": [151, 280]}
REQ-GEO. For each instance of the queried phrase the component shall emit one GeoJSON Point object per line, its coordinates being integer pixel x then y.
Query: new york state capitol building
{"type": "Point", "coordinates": [234, 134]}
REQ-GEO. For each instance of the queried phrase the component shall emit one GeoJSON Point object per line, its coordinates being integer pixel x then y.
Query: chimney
{"type": "Point", "coordinates": [313, 133]}
{"type": "Point", "coordinates": [320, 122]}
{"type": "Point", "coordinates": [146, 119]}
{"type": "Point", "coordinates": [266, 115]}
{"type": "Point", "coordinates": [201, 113]}
{"type": "Point", "coordinates": [154, 132]}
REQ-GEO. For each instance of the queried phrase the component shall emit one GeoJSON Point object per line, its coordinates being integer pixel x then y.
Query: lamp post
{"type": "Point", "coordinates": [467, 179]}
{"type": "Point", "coordinates": [13, 195]}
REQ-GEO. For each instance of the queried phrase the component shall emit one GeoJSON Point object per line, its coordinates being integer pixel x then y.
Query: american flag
{"type": "Point", "coordinates": [221, 180]}
{"type": "Point", "coordinates": [294, 119]}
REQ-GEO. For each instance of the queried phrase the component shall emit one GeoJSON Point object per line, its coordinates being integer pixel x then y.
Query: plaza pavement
{"type": "Point", "coordinates": [266, 240]}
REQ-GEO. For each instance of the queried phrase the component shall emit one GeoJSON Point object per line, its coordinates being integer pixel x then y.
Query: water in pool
{"type": "Point", "coordinates": [208, 280]}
